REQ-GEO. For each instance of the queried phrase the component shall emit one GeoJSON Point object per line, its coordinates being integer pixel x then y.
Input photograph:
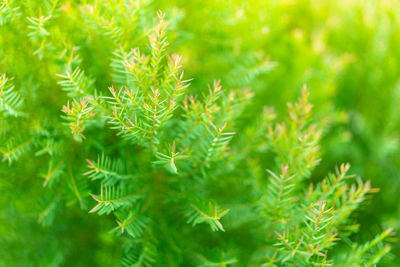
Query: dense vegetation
{"type": "Point", "coordinates": [278, 145]}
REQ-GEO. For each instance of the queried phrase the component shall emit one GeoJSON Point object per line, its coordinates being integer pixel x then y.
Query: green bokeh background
{"type": "Point", "coordinates": [347, 52]}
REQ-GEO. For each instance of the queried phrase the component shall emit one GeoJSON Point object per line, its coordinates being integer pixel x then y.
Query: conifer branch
{"type": "Point", "coordinates": [10, 100]}
{"type": "Point", "coordinates": [206, 213]}
{"type": "Point", "coordinates": [77, 114]}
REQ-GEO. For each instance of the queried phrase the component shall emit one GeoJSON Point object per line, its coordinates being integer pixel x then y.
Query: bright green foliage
{"type": "Point", "coordinates": [308, 223]}
{"type": "Point", "coordinates": [10, 100]}
{"type": "Point", "coordinates": [76, 115]}
{"type": "Point", "coordinates": [112, 198]}
{"type": "Point", "coordinates": [114, 157]}
{"type": "Point", "coordinates": [74, 83]}
{"type": "Point", "coordinates": [108, 170]}
{"type": "Point", "coordinates": [206, 213]}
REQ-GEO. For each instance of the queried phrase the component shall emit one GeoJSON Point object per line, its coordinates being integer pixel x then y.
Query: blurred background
{"type": "Point", "coordinates": [347, 52]}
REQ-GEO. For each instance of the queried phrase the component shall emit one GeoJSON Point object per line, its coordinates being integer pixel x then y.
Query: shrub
{"type": "Point", "coordinates": [94, 104]}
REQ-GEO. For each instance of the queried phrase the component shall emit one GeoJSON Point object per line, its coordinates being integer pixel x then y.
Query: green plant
{"type": "Point", "coordinates": [147, 173]}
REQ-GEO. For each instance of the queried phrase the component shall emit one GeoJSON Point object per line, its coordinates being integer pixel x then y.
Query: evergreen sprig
{"type": "Point", "coordinates": [206, 213]}
{"type": "Point", "coordinates": [107, 170]}
{"type": "Point", "coordinates": [113, 197]}
{"type": "Point", "coordinates": [178, 171]}
{"type": "Point", "coordinates": [10, 100]}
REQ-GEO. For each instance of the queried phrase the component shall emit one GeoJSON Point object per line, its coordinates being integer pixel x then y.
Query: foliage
{"type": "Point", "coordinates": [112, 155]}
